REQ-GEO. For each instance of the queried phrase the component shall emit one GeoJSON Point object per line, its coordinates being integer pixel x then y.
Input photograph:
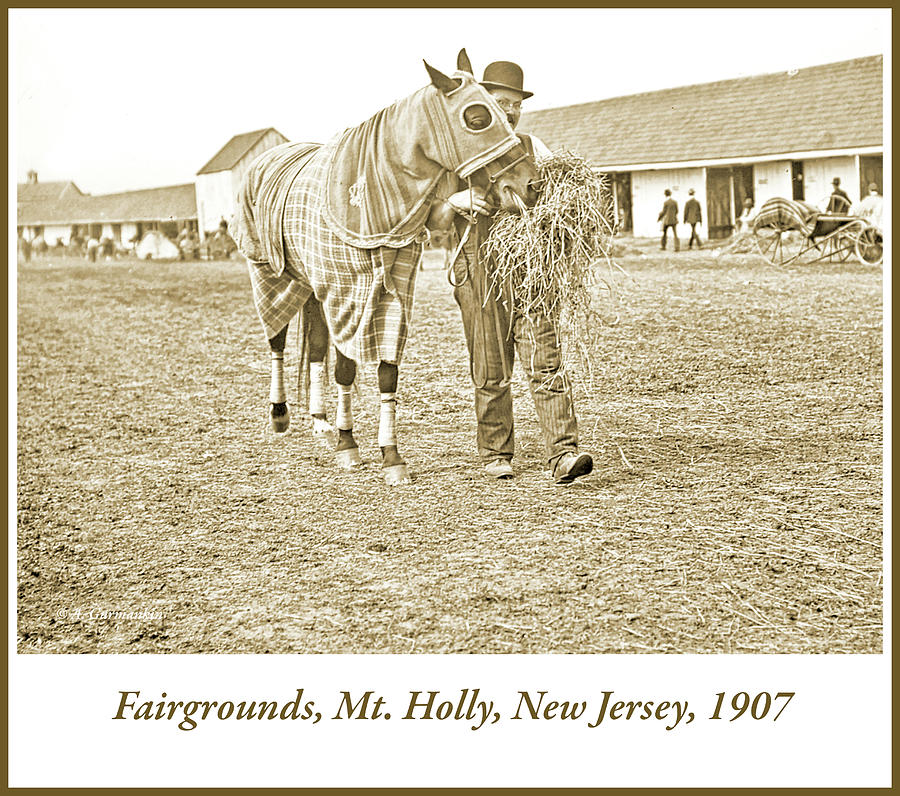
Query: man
{"type": "Point", "coordinates": [184, 245]}
{"type": "Point", "coordinates": [93, 246]}
{"type": "Point", "coordinates": [493, 336]}
{"type": "Point", "coordinates": [872, 207]}
{"type": "Point", "coordinates": [23, 248]}
{"type": "Point", "coordinates": [669, 217]}
{"type": "Point", "coordinates": [745, 219]}
{"type": "Point", "coordinates": [838, 202]}
{"type": "Point", "coordinates": [692, 216]}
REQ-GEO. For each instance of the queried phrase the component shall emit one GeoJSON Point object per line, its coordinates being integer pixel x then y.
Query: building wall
{"type": "Point", "coordinates": [818, 174]}
{"type": "Point", "coordinates": [647, 197]}
{"type": "Point", "coordinates": [771, 180]}
{"type": "Point", "coordinates": [215, 200]}
{"type": "Point", "coordinates": [129, 230]}
{"type": "Point", "coordinates": [217, 192]}
{"type": "Point", "coordinates": [54, 232]}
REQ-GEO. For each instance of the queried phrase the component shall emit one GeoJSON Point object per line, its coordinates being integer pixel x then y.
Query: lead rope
{"type": "Point", "coordinates": [472, 220]}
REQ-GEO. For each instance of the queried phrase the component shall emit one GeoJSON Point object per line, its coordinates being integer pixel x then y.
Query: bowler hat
{"type": "Point", "coordinates": [505, 74]}
{"type": "Point", "coordinates": [836, 181]}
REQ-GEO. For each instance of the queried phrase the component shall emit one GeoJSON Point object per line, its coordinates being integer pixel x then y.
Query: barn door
{"type": "Point", "coordinates": [720, 223]}
{"type": "Point", "coordinates": [743, 186]}
{"type": "Point", "coordinates": [871, 169]}
{"type": "Point", "coordinates": [622, 187]}
{"type": "Point", "coordinates": [798, 194]}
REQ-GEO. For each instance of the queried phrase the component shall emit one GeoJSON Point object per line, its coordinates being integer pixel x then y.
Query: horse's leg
{"type": "Point", "coordinates": [318, 341]}
{"type": "Point", "coordinates": [279, 416]}
{"type": "Point", "coordinates": [347, 452]}
{"type": "Point", "coordinates": [395, 470]}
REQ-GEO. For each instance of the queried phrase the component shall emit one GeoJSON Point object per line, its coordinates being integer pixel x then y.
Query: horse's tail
{"type": "Point", "coordinates": [304, 321]}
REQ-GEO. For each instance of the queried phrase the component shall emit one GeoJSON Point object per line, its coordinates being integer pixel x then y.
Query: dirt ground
{"type": "Point", "coordinates": [736, 505]}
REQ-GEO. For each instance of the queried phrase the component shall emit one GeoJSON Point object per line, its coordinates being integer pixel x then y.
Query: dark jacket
{"type": "Point", "coordinates": [692, 213]}
{"type": "Point", "coordinates": [669, 214]}
{"type": "Point", "coordinates": [839, 202]}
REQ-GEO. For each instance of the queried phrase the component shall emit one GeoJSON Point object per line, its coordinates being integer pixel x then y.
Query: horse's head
{"type": "Point", "coordinates": [479, 143]}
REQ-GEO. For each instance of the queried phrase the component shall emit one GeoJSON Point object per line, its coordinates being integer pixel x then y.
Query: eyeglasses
{"type": "Point", "coordinates": [509, 105]}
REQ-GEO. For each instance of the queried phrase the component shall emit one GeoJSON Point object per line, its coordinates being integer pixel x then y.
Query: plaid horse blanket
{"type": "Point", "coordinates": [345, 222]}
{"type": "Point", "coordinates": [366, 294]}
{"type": "Point", "coordinates": [380, 181]}
{"type": "Point", "coordinates": [257, 225]}
{"type": "Point", "coordinates": [787, 214]}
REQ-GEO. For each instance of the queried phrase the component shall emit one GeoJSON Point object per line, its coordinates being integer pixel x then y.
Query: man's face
{"type": "Point", "coordinates": [510, 101]}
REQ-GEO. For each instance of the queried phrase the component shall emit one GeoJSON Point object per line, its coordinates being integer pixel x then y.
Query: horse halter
{"type": "Point", "coordinates": [472, 218]}
{"type": "Point", "coordinates": [535, 185]}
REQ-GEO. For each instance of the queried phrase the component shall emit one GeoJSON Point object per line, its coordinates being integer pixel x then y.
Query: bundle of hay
{"type": "Point", "coordinates": [551, 258]}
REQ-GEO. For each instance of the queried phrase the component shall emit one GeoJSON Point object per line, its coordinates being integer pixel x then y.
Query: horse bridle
{"type": "Point", "coordinates": [472, 218]}
{"type": "Point", "coordinates": [492, 178]}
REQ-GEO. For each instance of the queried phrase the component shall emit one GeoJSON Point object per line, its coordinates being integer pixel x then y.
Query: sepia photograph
{"type": "Point", "coordinates": [439, 332]}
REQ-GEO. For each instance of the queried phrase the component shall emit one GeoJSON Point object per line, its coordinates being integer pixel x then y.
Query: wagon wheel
{"type": "Point", "coordinates": [778, 245]}
{"type": "Point", "coordinates": [838, 248]}
{"type": "Point", "coordinates": [870, 246]}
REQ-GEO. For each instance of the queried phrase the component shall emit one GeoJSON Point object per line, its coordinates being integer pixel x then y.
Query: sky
{"type": "Point", "coordinates": [118, 100]}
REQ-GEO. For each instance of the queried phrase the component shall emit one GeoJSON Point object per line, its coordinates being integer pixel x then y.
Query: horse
{"type": "Point", "coordinates": [335, 233]}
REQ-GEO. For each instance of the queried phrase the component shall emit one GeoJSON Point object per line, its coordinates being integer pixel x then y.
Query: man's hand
{"type": "Point", "coordinates": [470, 201]}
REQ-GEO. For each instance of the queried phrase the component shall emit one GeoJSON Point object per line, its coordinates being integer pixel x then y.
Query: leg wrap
{"type": "Point", "coordinates": [317, 388]}
{"type": "Point", "coordinates": [277, 394]}
{"type": "Point", "coordinates": [387, 420]}
{"type": "Point", "coordinates": [344, 418]}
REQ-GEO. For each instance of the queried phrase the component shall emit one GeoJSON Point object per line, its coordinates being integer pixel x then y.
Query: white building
{"type": "Point", "coordinates": [60, 211]}
{"type": "Point", "coordinates": [787, 134]}
{"type": "Point", "coordinates": [219, 180]}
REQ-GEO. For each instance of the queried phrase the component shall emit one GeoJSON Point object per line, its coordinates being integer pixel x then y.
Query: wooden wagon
{"type": "Point", "coordinates": [789, 231]}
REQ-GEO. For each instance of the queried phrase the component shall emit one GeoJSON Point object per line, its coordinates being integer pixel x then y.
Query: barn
{"type": "Point", "coordinates": [219, 180]}
{"type": "Point", "coordinates": [786, 134]}
{"type": "Point", "coordinates": [60, 211]}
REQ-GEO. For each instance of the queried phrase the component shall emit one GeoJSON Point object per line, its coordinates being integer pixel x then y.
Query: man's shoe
{"type": "Point", "coordinates": [570, 466]}
{"type": "Point", "coordinates": [499, 468]}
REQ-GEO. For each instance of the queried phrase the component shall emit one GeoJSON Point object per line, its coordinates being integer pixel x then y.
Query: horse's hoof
{"type": "Point", "coordinates": [324, 433]}
{"type": "Point", "coordinates": [396, 474]}
{"type": "Point", "coordinates": [280, 423]}
{"type": "Point", "coordinates": [348, 459]}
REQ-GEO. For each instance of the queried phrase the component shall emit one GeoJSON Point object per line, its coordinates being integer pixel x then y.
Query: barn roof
{"type": "Point", "coordinates": [230, 154]}
{"type": "Point", "coordinates": [172, 202]}
{"type": "Point", "coordinates": [829, 107]}
{"type": "Point", "coordinates": [45, 191]}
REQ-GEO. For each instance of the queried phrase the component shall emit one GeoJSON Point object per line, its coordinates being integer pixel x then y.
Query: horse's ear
{"type": "Point", "coordinates": [463, 64]}
{"type": "Point", "coordinates": [442, 81]}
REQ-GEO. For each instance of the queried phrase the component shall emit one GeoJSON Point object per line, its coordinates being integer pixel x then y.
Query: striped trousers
{"type": "Point", "coordinates": [493, 338]}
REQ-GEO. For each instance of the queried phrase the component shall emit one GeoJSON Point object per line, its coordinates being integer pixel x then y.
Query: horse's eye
{"type": "Point", "coordinates": [477, 117]}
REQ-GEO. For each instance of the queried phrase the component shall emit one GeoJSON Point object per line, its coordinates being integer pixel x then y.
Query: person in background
{"type": "Point", "coordinates": [838, 202]}
{"type": "Point", "coordinates": [745, 219]}
{"type": "Point", "coordinates": [669, 217]}
{"type": "Point", "coordinates": [184, 244]}
{"type": "Point", "coordinates": [23, 248]}
{"type": "Point", "coordinates": [107, 249]}
{"type": "Point", "coordinates": [872, 207]}
{"type": "Point", "coordinates": [693, 216]}
{"type": "Point", "coordinates": [93, 247]}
